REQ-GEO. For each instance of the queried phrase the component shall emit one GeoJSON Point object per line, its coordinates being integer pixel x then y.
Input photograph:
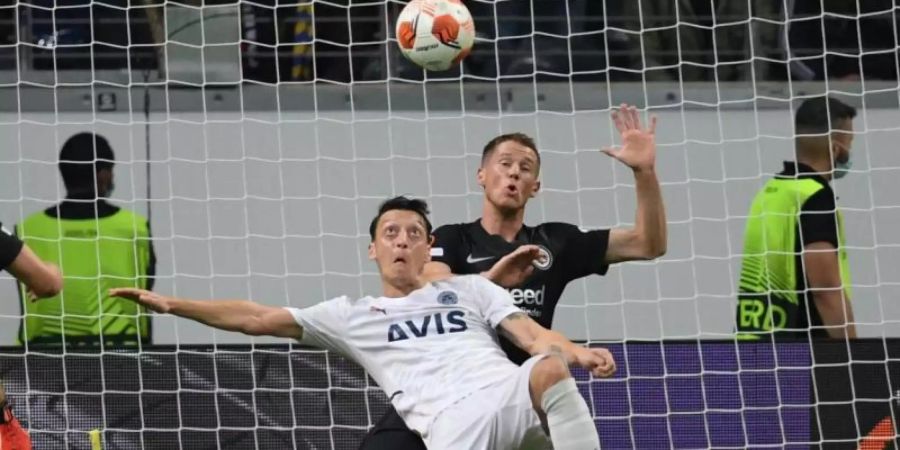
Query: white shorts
{"type": "Point", "coordinates": [498, 417]}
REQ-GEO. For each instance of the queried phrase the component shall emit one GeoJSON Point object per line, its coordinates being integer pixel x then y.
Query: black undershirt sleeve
{"type": "Point", "coordinates": [818, 219]}
{"type": "Point", "coordinates": [10, 246]}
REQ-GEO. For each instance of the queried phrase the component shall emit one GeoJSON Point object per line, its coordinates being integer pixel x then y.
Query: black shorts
{"type": "Point", "coordinates": [391, 433]}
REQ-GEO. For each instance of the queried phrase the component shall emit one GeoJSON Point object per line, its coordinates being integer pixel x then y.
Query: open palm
{"type": "Point", "coordinates": [148, 299]}
{"type": "Point", "coordinates": [638, 149]}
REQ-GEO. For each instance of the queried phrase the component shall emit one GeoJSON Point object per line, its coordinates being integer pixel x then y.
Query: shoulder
{"type": "Point", "coordinates": [560, 231]}
{"type": "Point", "coordinates": [135, 220]}
{"type": "Point", "coordinates": [461, 282]}
{"type": "Point", "coordinates": [451, 227]}
{"type": "Point", "coordinates": [347, 303]}
{"type": "Point", "coordinates": [449, 240]}
{"type": "Point", "coordinates": [556, 227]}
{"type": "Point", "coordinates": [451, 230]}
{"type": "Point", "coordinates": [457, 281]}
{"type": "Point", "coordinates": [821, 200]}
{"type": "Point", "coordinates": [49, 213]}
{"type": "Point", "coordinates": [335, 306]}
{"type": "Point", "coordinates": [129, 214]}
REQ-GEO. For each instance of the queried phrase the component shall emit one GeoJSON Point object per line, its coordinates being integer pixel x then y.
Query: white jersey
{"type": "Point", "coordinates": [427, 350]}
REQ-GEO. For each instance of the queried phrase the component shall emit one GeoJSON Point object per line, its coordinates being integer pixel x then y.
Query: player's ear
{"type": "Point", "coordinates": [372, 251]}
{"type": "Point", "coordinates": [479, 176]}
{"type": "Point", "coordinates": [536, 188]}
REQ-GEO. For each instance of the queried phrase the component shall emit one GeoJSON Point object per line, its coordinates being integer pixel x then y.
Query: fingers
{"type": "Point", "coordinates": [529, 248]}
{"type": "Point", "coordinates": [628, 117]}
{"type": "Point", "coordinates": [527, 252]}
{"type": "Point", "coordinates": [612, 152]}
{"type": "Point", "coordinates": [619, 121]}
{"type": "Point", "coordinates": [604, 370]}
{"type": "Point", "coordinates": [635, 117]}
{"type": "Point", "coordinates": [134, 293]}
{"type": "Point", "coordinates": [605, 365]}
{"type": "Point", "coordinates": [526, 272]}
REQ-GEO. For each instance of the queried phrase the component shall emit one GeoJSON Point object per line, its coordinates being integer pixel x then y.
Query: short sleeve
{"type": "Point", "coordinates": [10, 246]}
{"type": "Point", "coordinates": [446, 247]}
{"type": "Point", "coordinates": [495, 302]}
{"type": "Point", "coordinates": [584, 251]}
{"type": "Point", "coordinates": [818, 219]}
{"type": "Point", "coordinates": [324, 324]}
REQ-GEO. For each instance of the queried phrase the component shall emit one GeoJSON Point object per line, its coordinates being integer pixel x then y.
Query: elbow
{"type": "Point", "coordinates": [645, 245]}
{"type": "Point", "coordinates": [652, 249]}
{"type": "Point", "coordinates": [253, 326]}
{"type": "Point", "coordinates": [657, 250]}
{"type": "Point", "coordinates": [257, 323]}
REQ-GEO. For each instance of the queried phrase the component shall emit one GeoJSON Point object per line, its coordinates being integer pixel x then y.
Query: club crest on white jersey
{"type": "Point", "coordinates": [448, 298]}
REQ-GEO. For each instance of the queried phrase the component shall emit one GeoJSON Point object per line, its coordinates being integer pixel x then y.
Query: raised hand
{"type": "Point", "coordinates": [598, 361]}
{"type": "Point", "coordinates": [150, 300]}
{"type": "Point", "coordinates": [638, 150]}
{"type": "Point", "coordinates": [513, 269]}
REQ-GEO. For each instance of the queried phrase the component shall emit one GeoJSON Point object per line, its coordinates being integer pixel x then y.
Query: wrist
{"type": "Point", "coordinates": [644, 171]}
{"type": "Point", "coordinates": [175, 305]}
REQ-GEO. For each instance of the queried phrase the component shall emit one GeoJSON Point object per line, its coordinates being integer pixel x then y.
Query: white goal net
{"type": "Point", "coordinates": [259, 138]}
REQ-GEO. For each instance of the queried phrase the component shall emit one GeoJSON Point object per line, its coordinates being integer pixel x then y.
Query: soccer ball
{"type": "Point", "coordinates": [435, 34]}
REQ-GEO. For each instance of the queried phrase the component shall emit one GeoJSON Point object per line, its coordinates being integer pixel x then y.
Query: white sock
{"type": "Point", "coordinates": [568, 417]}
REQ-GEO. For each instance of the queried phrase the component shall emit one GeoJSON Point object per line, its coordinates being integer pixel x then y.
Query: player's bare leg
{"type": "Point", "coordinates": [561, 408]}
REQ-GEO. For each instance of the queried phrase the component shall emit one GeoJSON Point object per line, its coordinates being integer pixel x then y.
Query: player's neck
{"type": "Point", "coordinates": [820, 166]}
{"type": "Point", "coordinates": [496, 222]}
{"type": "Point", "coordinates": [400, 288]}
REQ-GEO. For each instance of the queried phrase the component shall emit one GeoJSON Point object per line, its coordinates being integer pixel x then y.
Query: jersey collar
{"type": "Point", "coordinates": [495, 242]}
{"type": "Point", "coordinates": [799, 170]}
{"type": "Point", "coordinates": [84, 209]}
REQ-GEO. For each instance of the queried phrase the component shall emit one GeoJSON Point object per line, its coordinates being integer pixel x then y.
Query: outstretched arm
{"type": "Point", "coordinates": [242, 316]}
{"type": "Point", "coordinates": [647, 239]}
{"type": "Point", "coordinates": [537, 340]}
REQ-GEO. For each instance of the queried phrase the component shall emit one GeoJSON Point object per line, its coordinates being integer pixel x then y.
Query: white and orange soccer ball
{"type": "Point", "coordinates": [435, 34]}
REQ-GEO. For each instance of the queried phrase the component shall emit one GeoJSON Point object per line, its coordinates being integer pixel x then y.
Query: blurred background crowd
{"type": "Point", "coordinates": [580, 40]}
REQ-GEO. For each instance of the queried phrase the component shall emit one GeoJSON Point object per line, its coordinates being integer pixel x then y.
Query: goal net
{"type": "Point", "coordinates": [259, 137]}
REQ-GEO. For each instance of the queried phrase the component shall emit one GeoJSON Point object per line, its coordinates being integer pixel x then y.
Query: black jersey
{"type": "Point", "coordinates": [10, 246]}
{"type": "Point", "coordinates": [569, 254]}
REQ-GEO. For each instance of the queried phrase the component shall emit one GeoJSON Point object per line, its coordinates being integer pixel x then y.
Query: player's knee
{"type": "Point", "coordinates": [548, 372]}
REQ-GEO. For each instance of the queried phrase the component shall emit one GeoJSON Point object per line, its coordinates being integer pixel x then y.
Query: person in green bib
{"type": "Point", "coordinates": [795, 279]}
{"type": "Point", "coordinates": [98, 246]}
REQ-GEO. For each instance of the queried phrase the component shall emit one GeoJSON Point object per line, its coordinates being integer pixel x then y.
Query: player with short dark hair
{"type": "Point", "coordinates": [536, 263]}
{"type": "Point", "coordinates": [401, 203]}
{"type": "Point", "coordinates": [795, 276]}
{"type": "Point", "coordinates": [432, 346]}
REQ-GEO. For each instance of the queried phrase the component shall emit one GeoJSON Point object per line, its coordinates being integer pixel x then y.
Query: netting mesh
{"type": "Point", "coordinates": [258, 137]}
